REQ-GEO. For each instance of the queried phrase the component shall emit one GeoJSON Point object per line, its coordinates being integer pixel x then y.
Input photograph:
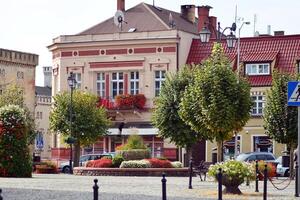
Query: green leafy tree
{"type": "Point", "coordinates": [89, 121]}
{"type": "Point", "coordinates": [13, 95]}
{"type": "Point", "coordinates": [216, 100]}
{"type": "Point", "coordinates": [14, 152]}
{"type": "Point", "coordinates": [166, 117]}
{"type": "Point", "coordinates": [280, 120]}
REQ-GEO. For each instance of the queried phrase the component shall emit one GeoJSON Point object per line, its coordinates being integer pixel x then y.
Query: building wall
{"type": "Point", "coordinates": [254, 127]}
{"type": "Point", "coordinates": [42, 112]}
{"type": "Point", "coordinates": [19, 68]}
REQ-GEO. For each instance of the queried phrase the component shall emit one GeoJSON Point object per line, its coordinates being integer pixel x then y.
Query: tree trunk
{"type": "Point", "coordinates": [292, 171]}
{"type": "Point", "coordinates": [76, 153]}
{"type": "Point", "coordinates": [188, 154]}
{"type": "Point", "coordinates": [220, 151]}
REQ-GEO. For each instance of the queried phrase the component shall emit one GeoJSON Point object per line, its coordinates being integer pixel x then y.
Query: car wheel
{"type": "Point", "coordinates": [66, 170]}
{"type": "Point", "coordinates": [287, 173]}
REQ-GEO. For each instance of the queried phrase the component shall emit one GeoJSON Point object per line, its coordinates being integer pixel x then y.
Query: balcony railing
{"type": "Point", "coordinates": [123, 102]}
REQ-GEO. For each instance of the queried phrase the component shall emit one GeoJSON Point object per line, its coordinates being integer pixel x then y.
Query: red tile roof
{"type": "Point", "coordinates": [285, 50]}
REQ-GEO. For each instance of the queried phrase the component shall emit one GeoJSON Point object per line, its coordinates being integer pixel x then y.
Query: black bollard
{"type": "Point", "coordinates": [1, 198]}
{"type": "Point", "coordinates": [96, 187]}
{"type": "Point", "coordinates": [191, 173]}
{"type": "Point", "coordinates": [220, 184]}
{"type": "Point", "coordinates": [296, 181]}
{"type": "Point", "coordinates": [164, 187]}
{"type": "Point", "coordinates": [265, 182]}
{"type": "Point", "coordinates": [256, 176]}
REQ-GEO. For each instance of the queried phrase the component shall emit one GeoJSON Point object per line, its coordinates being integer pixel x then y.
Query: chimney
{"type": "Point", "coordinates": [121, 5]}
{"type": "Point", "coordinates": [188, 12]}
{"type": "Point", "coordinates": [203, 17]}
{"type": "Point", "coordinates": [278, 33]}
{"type": "Point", "coordinates": [213, 26]}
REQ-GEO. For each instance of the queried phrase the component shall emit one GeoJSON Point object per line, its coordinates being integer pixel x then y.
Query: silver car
{"type": "Point", "coordinates": [280, 170]}
{"type": "Point", "coordinates": [253, 156]}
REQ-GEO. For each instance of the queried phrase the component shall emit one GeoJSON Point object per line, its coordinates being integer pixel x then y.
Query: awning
{"type": "Point", "coordinates": [130, 131]}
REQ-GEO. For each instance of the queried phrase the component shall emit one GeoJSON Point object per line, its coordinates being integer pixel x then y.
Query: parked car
{"type": "Point", "coordinates": [280, 170]}
{"type": "Point", "coordinates": [253, 156]}
{"type": "Point", "coordinates": [65, 166]}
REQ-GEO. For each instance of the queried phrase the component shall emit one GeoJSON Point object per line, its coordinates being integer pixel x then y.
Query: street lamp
{"type": "Point", "coordinates": [238, 75]}
{"type": "Point", "coordinates": [70, 140]}
{"type": "Point", "coordinates": [230, 39]}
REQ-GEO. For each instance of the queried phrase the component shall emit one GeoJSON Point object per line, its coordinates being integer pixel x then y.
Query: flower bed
{"type": "Point", "coordinates": [179, 172]}
{"type": "Point", "coordinates": [129, 101]}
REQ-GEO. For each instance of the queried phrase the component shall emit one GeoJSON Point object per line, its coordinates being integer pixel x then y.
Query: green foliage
{"type": "Point", "coordinates": [14, 153]}
{"type": "Point", "coordinates": [135, 164]}
{"type": "Point", "coordinates": [117, 160]}
{"type": "Point", "coordinates": [234, 171]}
{"type": "Point", "coordinates": [134, 154]}
{"type": "Point", "coordinates": [89, 121]}
{"type": "Point", "coordinates": [216, 103]}
{"type": "Point", "coordinates": [165, 116]}
{"type": "Point", "coordinates": [13, 95]}
{"type": "Point", "coordinates": [134, 142]}
{"type": "Point", "coordinates": [280, 120]}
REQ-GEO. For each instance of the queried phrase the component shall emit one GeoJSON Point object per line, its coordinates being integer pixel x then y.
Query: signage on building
{"type": "Point", "coordinates": [39, 141]}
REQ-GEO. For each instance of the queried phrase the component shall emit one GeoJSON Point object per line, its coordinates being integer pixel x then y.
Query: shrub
{"type": "Point", "coordinates": [140, 101]}
{"type": "Point", "coordinates": [117, 160]}
{"type": "Point", "coordinates": [134, 154]}
{"type": "Point", "coordinates": [233, 170]}
{"type": "Point", "coordinates": [135, 142]}
{"type": "Point", "coordinates": [176, 164]}
{"type": "Point", "coordinates": [135, 164]}
{"type": "Point", "coordinates": [102, 163]}
{"type": "Point", "coordinates": [157, 163]}
{"type": "Point", "coordinates": [14, 153]}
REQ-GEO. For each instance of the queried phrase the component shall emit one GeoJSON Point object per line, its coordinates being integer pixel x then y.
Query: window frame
{"type": "Point", "coordinates": [256, 103]}
{"type": "Point", "coordinates": [134, 82]}
{"type": "Point", "coordinates": [78, 82]}
{"type": "Point", "coordinates": [100, 84]}
{"type": "Point", "coordinates": [160, 80]}
{"type": "Point", "coordinates": [118, 90]}
{"type": "Point", "coordinates": [257, 65]}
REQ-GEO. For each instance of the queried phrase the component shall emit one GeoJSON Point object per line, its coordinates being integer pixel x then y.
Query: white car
{"type": "Point", "coordinates": [65, 166]}
{"type": "Point", "coordinates": [280, 170]}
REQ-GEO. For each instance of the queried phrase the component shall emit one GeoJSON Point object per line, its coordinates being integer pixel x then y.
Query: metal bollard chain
{"type": "Point", "coordinates": [164, 187]}
{"type": "Point", "coordinates": [96, 188]}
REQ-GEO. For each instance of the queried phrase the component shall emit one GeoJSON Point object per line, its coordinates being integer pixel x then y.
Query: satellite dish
{"type": "Point", "coordinates": [119, 19]}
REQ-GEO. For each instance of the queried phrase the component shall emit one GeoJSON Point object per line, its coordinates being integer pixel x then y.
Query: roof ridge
{"type": "Point", "coordinates": [155, 15]}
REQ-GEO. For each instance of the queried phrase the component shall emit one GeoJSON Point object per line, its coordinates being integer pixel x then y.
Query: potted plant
{"type": "Point", "coordinates": [234, 174]}
{"type": "Point", "coordinates": [46, 167]}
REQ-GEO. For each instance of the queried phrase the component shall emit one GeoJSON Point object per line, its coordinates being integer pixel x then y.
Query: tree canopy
{"type": "Point", "coordinates": [89, 122]}
{"type": "Point", "coordinates": [165, 116]}
{"type": "Point", "coordinates": [217, 100]}
{"type": "Point", "coordinates": [14, 95]}
{"type": "Point", "coordinates": [280, 120]}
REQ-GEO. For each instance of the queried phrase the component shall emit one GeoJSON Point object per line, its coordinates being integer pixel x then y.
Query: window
{"type": "Point", "coordinates": [159, 79]}
{"type": "Point", "coordinates": [117, 83]}
{"type": "Point", "coordinates": [134, 82]}
{"type": "Point", "coordinates": [258, 69]}
{"type": "Point", "coordinates": [39, 115]}
{"type": "Point", "coordinates": [258, 104]}
{"type": "Point", "coordinates": [78, 80]}
{"type": "Point", "coordinates": [100, 82]}
{"type": "Point", "coordinates": [20, 75]}
{"type": "Point", "coordinates": [2, 72]}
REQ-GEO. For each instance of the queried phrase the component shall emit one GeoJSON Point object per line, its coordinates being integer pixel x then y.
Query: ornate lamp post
{"type": "Point", "coordinates": [71, 140]}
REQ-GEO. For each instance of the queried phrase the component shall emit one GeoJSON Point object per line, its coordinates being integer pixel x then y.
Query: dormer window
{"type": "Point", "coordinates": [258, 69]}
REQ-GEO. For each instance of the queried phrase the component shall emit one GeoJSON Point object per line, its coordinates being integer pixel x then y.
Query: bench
{"type": "Point", "coordinates": [202, 169]}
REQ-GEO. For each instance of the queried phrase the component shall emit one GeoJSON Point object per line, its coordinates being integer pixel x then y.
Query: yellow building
{"type": "Point", "coordinates": [260, 56]}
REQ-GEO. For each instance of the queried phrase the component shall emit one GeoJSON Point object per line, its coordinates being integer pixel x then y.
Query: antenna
{"type": "Point", "coordinates": [254, 25]}
{"type": "Point", "coordinates": [119, 19]}
{"type": "Point", "coordinates": [171, 21]}
{"type": "Point", "coordinates": [153, 3]}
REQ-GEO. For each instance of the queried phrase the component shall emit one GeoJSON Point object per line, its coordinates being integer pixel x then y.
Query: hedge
{"type": "Point", "coordinates": [134, 154]}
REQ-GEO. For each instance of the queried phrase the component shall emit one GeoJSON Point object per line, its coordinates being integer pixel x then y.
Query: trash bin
{"type": "Point", "coordinates": [214, 157]}
{"type": "Point", "coordinates": [285, 161]}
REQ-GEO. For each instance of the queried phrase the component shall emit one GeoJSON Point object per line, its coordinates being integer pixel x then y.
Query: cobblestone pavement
{"type": "Point", "coordinates": [70, 187]}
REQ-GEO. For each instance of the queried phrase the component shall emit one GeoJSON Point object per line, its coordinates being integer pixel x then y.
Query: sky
{"type": "Point", "coordinates": [30, 25]}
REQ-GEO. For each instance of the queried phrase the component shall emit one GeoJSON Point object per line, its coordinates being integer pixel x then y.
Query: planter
{"type": "Point", "coordinates": [231, 184]}
{"type": "Point", "coordinates": [44, 169]}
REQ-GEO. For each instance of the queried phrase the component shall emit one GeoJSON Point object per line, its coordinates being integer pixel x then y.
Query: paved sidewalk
{"type": "Point", "coordinates": [70, 187]}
